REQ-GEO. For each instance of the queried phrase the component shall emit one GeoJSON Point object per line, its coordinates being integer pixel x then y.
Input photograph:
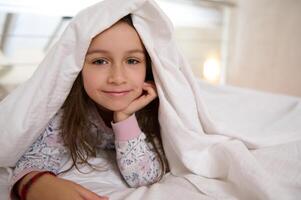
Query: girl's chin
{"type": "Point", "coordinates": [114, 107]}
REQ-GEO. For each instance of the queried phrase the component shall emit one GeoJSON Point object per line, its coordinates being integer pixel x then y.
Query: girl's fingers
{"type": "Point", "coordinates": [151, 90]}
{"type": "Point", "coordinates": [143, 100]}
{"type": "Point", "coordinates": [89, 195]}
{"type": "Point", "coordinates": [149, 96]}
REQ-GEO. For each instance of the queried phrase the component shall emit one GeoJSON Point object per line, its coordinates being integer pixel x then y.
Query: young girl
{"type": "Point", "coordinates": [113, 104]}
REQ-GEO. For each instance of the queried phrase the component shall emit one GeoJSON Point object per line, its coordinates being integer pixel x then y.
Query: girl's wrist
{"type": "Point", "coordinates": [126, 129]}
{"type": "Point", "coordinates": [28, 180]}
{"type": "Point", "coordinates": [23, 181]}
{"type": "Point", "coordinates": [119, 116]}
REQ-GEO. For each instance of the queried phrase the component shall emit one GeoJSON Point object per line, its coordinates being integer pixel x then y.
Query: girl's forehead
{"type": "Point", "coordinates": [120, 36]}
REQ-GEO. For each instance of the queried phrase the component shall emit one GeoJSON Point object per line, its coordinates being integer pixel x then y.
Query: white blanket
{"type": "Point", "coordinates": [220, 143]}
{"type": "Point", "coordinates": [262, 173]}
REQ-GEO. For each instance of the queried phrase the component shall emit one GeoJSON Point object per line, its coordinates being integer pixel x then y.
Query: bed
{"type": "Point", "coordinates": [260, 159]}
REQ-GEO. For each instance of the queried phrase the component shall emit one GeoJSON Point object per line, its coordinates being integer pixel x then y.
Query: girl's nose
{"type": "Point", "coordinates": [117, 75]}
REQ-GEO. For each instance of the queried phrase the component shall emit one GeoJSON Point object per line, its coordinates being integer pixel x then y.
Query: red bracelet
{"type": "Point", "coordinates": [29, 183]}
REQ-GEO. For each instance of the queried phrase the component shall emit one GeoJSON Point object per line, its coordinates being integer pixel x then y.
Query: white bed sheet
{"type": "Point", "coordinates": [250, 173]}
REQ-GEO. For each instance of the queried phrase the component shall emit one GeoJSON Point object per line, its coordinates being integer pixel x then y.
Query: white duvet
{"type": "Point", "coordinates": [220, 142]}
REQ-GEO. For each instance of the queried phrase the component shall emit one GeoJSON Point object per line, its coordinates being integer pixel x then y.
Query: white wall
{"type": "Point", "coordinates": [198, 44]}
{"type": "Point", "coordinates": [265, 46]}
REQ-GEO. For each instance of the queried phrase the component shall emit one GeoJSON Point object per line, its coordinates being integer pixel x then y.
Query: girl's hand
{"type": "Point", "coordinates": [49, 187]}
{"type": "Point", "coordinates": [146, 97]}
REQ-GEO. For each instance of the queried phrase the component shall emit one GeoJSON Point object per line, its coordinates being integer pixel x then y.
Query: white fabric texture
{"type": "Point", "coordinates": [220, 143]}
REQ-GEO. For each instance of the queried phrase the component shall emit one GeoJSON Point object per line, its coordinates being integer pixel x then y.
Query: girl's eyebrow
{"type": "Point", "coordinates": [106, 52]}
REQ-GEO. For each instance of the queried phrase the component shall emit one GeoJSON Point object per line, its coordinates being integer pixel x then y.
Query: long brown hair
{"type": "Point", "coordinates": [75, 128]}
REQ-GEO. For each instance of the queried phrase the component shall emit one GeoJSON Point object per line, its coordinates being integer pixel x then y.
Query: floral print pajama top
{"type": "Point", "coordinates": [138, 163]}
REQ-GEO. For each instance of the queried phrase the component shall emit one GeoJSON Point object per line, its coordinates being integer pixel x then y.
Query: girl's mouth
{"type": "Point", "coordinates": [117, 93]}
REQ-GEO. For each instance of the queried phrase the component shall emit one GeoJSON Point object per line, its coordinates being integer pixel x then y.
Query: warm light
{"type": "Point", "coordinates": [211, 70]}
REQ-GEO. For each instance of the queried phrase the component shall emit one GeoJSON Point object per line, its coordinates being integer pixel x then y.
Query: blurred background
{"type": "Point", "coordinates": [246, 43]}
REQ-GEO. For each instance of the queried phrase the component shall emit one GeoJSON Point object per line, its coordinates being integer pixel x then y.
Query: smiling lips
{"type": "Point", "coordinates": [117, 93]}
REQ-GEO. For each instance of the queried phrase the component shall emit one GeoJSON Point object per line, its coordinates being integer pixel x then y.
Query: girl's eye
{"type": "Point", "coordinates": [132, 61]}
{"type": "Point", "coordinates": [100, 62]}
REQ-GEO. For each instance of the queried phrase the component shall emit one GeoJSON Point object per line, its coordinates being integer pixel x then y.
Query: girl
{"type": "Point", "coordinates": [220, 144]}
{"type": "Point", "coordinates": [113, 104]}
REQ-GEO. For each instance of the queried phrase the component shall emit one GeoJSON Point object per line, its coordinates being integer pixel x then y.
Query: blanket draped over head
{"type": "Point", "coordinates": [221, 143]}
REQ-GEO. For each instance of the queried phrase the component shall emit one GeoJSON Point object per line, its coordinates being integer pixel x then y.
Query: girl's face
{"type": "Point", "coordinates": [115, 67]}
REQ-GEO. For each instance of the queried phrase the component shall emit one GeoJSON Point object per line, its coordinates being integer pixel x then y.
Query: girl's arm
{"type": "Point", "coordinates": [139, 164]}
{"type": "Point", "coordinates": [49, 187]}
{"type": "Point", "coordinates": [47, 153]}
